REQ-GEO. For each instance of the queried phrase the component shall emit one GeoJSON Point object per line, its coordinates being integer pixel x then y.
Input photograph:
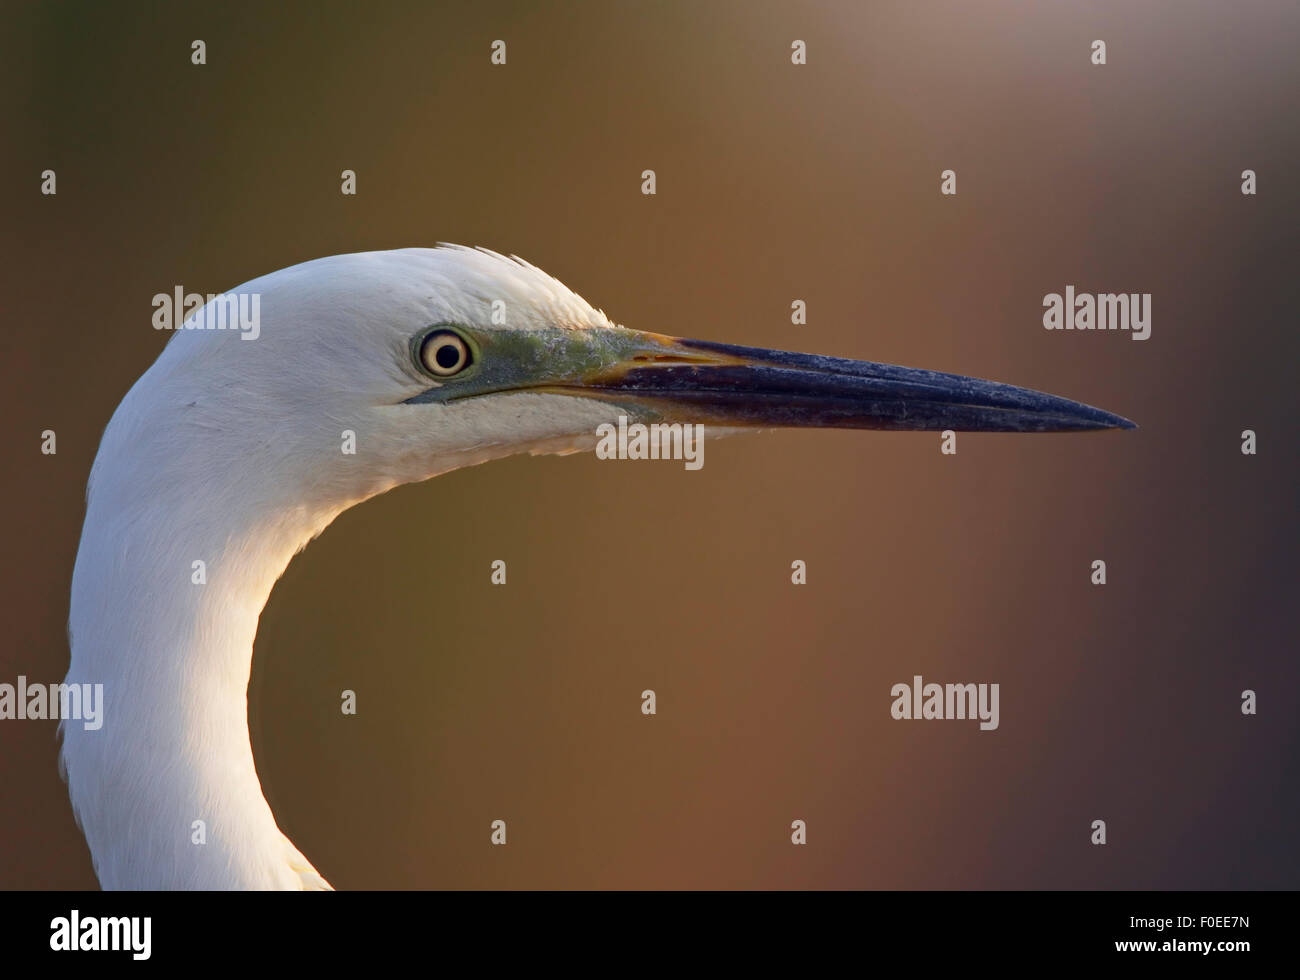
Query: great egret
{"type": "Point", "coordinates": [229, 451]}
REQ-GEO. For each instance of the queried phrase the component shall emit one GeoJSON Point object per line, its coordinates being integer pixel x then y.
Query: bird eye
{"type": "Point", "coordinates": [443, 353]}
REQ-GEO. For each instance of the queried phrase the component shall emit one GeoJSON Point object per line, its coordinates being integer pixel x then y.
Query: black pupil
{"type": "Point", "coordinates": [447, 356]}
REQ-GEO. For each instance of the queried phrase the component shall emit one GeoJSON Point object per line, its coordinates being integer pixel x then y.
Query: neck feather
{"type": "Point", "coordinates": [172, 644]}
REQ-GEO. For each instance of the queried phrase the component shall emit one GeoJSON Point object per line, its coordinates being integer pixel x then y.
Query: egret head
{"type": "Point", "coordinates": [357, 373]}
{"type": "Point", "coordinates": [436, 358]}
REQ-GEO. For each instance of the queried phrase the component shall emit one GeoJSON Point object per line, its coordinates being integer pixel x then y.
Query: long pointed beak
{"type": "Point", "coordinates": [700, 381]}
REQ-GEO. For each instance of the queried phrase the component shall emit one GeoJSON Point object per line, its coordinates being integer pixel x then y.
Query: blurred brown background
{"type": "Point", "coordinates": [775, 182]}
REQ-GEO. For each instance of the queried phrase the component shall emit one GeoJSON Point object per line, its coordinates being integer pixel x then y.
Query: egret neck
{"type": "Point", "coordinates": [169, 583]}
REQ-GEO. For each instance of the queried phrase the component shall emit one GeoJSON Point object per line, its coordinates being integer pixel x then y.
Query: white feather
{"type": "Point", "coordinates": [227, 451]}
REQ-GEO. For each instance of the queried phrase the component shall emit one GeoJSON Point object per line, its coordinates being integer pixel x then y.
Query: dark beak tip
{"type": "Point", "coordinates": [764, 388]}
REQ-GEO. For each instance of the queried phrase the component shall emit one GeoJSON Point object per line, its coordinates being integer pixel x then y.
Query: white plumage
{"type": "Point", "coordinates": [229, 451]}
